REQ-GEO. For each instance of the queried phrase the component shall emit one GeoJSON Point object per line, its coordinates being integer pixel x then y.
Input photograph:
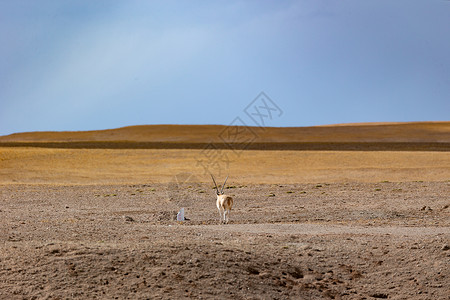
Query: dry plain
{"type": "Point", "coordinates": [337, 212]}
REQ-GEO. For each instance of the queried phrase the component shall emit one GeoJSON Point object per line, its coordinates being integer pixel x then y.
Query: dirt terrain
{"type": "Point", "coordinates": [302, 241]}
{"type": "Point", "coordinates": [93, 221]}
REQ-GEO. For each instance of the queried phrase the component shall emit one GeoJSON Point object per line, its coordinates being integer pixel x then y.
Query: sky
{"type": "Point", "coordinates": [88, 65]}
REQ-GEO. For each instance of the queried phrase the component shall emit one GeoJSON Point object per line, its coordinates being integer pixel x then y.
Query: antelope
{"type": "Point", "coordinates": [224, 202]}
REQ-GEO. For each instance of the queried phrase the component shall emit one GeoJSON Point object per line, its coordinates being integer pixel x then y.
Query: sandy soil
{"type": "Point", "coordinates": [289, 241]}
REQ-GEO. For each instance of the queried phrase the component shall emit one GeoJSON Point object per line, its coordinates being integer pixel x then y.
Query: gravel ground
{"type": "Point", "coordinates": [299, 241]}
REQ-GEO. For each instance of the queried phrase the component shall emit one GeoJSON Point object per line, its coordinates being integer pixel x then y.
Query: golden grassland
{"type": "Point", "coordinates": [101, 166]}
{"type": "Point", "coordinates": [156, 153]}
{"type": "Point", "coordinates": [414, 132]}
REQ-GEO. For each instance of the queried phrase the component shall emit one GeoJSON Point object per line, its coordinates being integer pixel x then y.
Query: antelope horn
{"type": "Point", "coordinates": [217, 189]}
{"type": "Point", "coordinates": [223, 185]}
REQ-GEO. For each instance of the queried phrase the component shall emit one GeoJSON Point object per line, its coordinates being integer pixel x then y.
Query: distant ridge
{"type": "Point", "coordinates": [412, 136]}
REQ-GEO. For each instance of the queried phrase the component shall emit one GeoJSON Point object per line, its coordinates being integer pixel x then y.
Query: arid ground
{"type": "Point", "coordinates": [332, 212]}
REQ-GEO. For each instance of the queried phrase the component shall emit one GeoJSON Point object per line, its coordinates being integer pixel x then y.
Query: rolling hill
{"type": "Point", "coordinates": [423, 136]}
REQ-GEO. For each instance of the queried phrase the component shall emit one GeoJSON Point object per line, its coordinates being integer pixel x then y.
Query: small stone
{"type": "Point", "coordinates": [128, 219]}
{"type": "Point", "coordinates": [445, 247]}
{"type": "Point", "coordinates": [426, 208]}
{"type": "Point", "coordinates": [379, 295]}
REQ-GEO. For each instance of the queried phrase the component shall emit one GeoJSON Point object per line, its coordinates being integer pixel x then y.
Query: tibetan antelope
{"type": "Point", "coordinates": [224, 202]}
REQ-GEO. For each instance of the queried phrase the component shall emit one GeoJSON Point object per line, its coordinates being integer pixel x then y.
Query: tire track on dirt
{"type": "Point", "coordinates": [320, 229]}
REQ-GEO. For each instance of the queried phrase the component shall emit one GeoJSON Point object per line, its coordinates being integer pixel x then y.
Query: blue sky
{"type": "Point", "coordinates": [82, 65]}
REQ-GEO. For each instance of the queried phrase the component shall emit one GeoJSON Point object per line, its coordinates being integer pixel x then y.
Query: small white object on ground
{"type": "Point", "coordinates": [180, 215]}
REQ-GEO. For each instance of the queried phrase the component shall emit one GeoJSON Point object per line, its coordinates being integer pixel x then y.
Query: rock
{"type": "Point", "coordinates": [445, 247]}
{"type": "Point", "coordinates": [252, 270]}
{"type": "Point", "coordinates": [128, 219]}
{"type": "Point", "coordinates": [297, 273]}
{"type": "Point", "coordinates": [426, 208]}
{"type": "Point", "coordinates": [379, 295]}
